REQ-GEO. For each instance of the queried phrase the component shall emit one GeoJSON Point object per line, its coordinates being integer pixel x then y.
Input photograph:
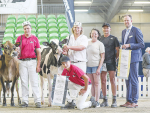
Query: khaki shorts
{"type": "Point", "coordinates": [146, 72]}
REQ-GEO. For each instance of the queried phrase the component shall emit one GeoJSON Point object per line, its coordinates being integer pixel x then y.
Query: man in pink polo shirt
{"type": "Point", "coordinates": [29, 66]}
{"type": "Point", "coordinates": [79, 83]}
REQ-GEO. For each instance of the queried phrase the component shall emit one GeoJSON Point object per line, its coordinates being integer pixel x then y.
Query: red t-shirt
{"type": "Point", "coordinates": [28, 46]}
{"type": "Point", "coordinates": [75, 75]}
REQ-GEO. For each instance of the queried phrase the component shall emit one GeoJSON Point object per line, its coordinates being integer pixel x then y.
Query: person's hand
{"type": "Point", "coordinates": [98, 71]}
{"type": "Point", "coordinates": [65, 47]}
{"type": "Point", "coordinates": [82, 91]}
{"type": "Point", "coordinates": [38, 69]}
{"type": "Point", "coordinates": [125, 46]}
{"type": "Point", "coordinates": [18, 49]}
{"type": "Point", "coordinates": [64, 52]}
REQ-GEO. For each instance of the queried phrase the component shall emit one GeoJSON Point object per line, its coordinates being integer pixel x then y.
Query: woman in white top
{"type": "Point", "coordinates": [95, 57]}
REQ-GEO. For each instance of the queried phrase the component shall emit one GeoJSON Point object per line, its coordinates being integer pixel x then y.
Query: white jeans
{"type": "Point", "coordinates": [27, 69]}
{"type": "Point", "coordinates": [81, 65]}
{"type": "Point", "coordinates": [74, 89]}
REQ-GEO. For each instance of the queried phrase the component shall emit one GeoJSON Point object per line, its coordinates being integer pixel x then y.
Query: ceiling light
{"type": "Point", "coordinates": [142, 2]}
{"type": "Point", "coordinates": [135, 10]}
{"type": "Point", "coordinates": [82, 2]}
{"type": "Point", "coordinates": [77, 10]}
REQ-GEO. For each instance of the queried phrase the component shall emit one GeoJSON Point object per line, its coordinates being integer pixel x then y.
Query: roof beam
{"type": "Point", "coordinates": [113, 9]}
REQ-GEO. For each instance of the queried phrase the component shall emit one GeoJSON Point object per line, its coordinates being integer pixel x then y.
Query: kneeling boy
{"type": "Point", "coordinates": [79, 82]}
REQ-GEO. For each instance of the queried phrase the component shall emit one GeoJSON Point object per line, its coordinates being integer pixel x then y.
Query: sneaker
{"type": "Point", "coordinates": [114, 103]}
{"type": "Point", "coordinates": [98, 104]}
{"type": "Point", "coordinates": [23, 105]}
{"type": "Point", "coordinates": [104, 103]}
{"type": "Point", "coordinates": [94, 103]}
{"type": "Point", "coordinates": [38, 105]}
{"type": "Point", "coordinates": [69, 105]}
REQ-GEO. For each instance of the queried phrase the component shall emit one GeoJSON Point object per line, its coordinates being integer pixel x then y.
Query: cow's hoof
{"type": "Point", "coordinates": [42, 103]}
{"type": "Point", "coordinates": [4, 104]}
{"type": "Point", "coordinates": [12, 104]}
{"type": "Point", "coordinates": [19, 102]}
{"type": "Point", "coordinates": [49, 105]}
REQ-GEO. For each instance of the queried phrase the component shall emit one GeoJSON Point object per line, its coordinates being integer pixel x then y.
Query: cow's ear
{"type": "Point", "coordinates": [45, 43]}
{"type": "Point", "coordinates": [64, 41]}
{"type": "Point", "coordinates": [17, 44]}
{"type": "Point", "coordinates": [2, 45]}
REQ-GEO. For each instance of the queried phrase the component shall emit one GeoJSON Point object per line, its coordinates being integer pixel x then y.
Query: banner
{"type": "Point", "coordinates": [18, 6]}
{"type": "Point", "coordinates": [69, 6]}
{"type": "Point", "coordinates": [59, 90]}
{"type": "Point", "coordinates": [124, 64]}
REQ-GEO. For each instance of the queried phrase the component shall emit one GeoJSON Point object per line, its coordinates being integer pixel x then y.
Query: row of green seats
{"type": "Point", "coordinates": [11, 17]}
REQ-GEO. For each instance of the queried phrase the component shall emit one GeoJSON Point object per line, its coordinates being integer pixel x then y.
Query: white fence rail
{"type": "Point", "coordinates": [144, 88]}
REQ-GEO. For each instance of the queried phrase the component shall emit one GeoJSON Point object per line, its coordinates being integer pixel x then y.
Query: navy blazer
{"type": "Point", "coordinates": [135, 39]}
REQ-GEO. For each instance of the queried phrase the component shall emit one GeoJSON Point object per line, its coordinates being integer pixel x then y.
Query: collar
{"type": "Point", "coordinates": [70, 68]}
{"type": "Point", "coordinates": [129, 27]}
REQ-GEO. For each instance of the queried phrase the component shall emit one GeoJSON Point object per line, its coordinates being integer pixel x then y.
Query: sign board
{"type": "Point", "coordinates": [18, 6]}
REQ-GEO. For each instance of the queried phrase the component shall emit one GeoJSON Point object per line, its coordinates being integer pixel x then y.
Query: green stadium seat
{"type": "Point", "coordinates": [51, 17]}
{"type": "Point", "coordinates": [53, 36]}
{"type": "Point", "coordinates": [41, 25]}
{"type": "Point", "coordinates": [67, 32]}
{"type": "Point", "coordinates": [21, 17]}
{"type": "Point", "coordinates": [63, 36]}
{"type": "Point", "coordinates": [61, 17]}
{"type": "Point", "coordinates": [11, 17]}
{"type": "Point", "coordinates": [20, 21]}
{"type": "Point", "coordinates": [42, 35]}
{"type": "Point", "coordinates": [19, 34]}
{"type": "Point", "coordinates": [41, 17]}
{"type": "Point", "coordinates": [32, 21]}
{"type": "Point", "coordinates": [42, 30]}
{"type": "Point", "coordinates": [9, 35]}
{"type": "Point", "coordinates": [9, 30]}
{"type": "Point", "coordinates": [8, 39]}
{"type": "Point", "coordinates": [20, 30]}
{"type": "Point", "coordinates": [33, 25]}
{"type": "Point", "coordinates": [11, 21]}
{"type": "Point", "coordinates": [63, 29]}
{"type": "Point", "coordinates": [19, 26]}
{"type": "Point", "coordinates": [33, 32]}
{"type": "Point", "coordinates": [41, 21]}
{"type": "Point", "coordinates": [10, 26]}
{"type": "Point", "coordinates": [33, 29]}
{"type": "Point", "coordinates": [53, 30]}
{"type": "Point", "coordinates": [31, 17]}
{"type": "Point", "coordinates": [62, 25]}
{"type": "Point", "coordinates": [51, 21]}
{"type": "Point", "coordinates": [52, 25]}
{"type": "Point", "coordinates": [61, 21]}
{"type": "Point", "coordinates": [41, 40]}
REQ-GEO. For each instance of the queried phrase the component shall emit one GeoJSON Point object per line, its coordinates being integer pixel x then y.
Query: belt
{"type": "Point", "coordinates": [76, 61]}
{"type": "Point", "coordinates": [27, 59]}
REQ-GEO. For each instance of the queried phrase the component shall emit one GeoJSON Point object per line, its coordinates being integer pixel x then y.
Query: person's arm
{"type": "Point", "coordinates": [86, 82]}
{"type": "Point", "coordinates": [139, 39]}
{"type": "Point", "coordinates": [117, 53]}
{"type": "Point", "coordinates": [147, 59]}
{"type": "Point", "coordinates": [38, 51]}
{"type": "Point", "coordinates": [75, 48]}
{"type": "Point", "coordinates": [100, 63]}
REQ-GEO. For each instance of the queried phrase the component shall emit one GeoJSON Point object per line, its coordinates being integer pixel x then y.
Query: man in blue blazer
{"type": "Point", "coordinates": [132, 39]}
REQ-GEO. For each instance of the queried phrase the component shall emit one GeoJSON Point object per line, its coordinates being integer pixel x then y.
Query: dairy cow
{"type": "Point", "coordinates": [9, 71]}
{"type": "Point", "coordinates": [50, 64]}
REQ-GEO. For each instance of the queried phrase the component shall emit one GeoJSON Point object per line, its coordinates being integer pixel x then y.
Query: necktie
{"type": "Point", "coordinates": [126, 36]}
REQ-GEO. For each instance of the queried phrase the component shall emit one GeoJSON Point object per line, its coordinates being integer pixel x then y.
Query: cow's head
{"type": "Point", "coordinates": [56, 45]}
{"type": "Point", "coordinates": [9, 49]}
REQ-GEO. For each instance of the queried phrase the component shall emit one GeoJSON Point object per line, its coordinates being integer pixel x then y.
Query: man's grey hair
{"type": "Point", "coordinates": [128, 16]}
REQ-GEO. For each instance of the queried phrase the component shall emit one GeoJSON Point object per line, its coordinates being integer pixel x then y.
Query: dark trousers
{"type": "Point", "coordinates": [132, 83]}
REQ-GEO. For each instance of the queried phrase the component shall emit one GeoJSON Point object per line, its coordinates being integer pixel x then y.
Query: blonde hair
{"type": "Point", "coordinates": [81, 32]}
{"type": "Point", "coordinates": [147, 49]}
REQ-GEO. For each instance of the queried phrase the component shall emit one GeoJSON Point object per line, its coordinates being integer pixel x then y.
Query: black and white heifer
{"type": "Point", "coordinates": [50, 64]}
